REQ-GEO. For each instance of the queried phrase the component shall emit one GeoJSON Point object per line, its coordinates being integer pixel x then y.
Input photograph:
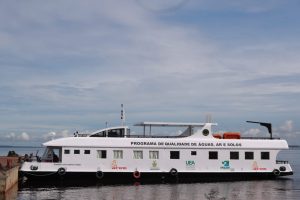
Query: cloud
{"type": "Point", "coordinates": [253, 132]}
{"type": "Point", "coordinates": [287, 126]}
{"type": "Point", "coordinates": [10, 136]}
{"type": "Point", "coordinates": [52, 135]}
{"type": "Point", "coordinates": [17, 137]}
{"type": "Point", "coordinates": [254, 6]}
{"type": "Point", "coordinates": [24, 136]}
{"type": "Point", "coordinates": [162, 6]}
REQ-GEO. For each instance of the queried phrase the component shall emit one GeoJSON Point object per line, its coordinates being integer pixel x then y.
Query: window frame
{"type": "Point", "coordinates": [152, 153]}
{"type": "Point", "coordinates": [76, 151]}
{"type": "Point", "coordinates": [102, 154]}
{"type": "Point", "coordinates": [213, 155]}
{"type": "Point", "coordinates": [234, 155]}
{"type": "Point", "coordinates": [138, 154]}
{"type": "Point", "coordinates": [174, 155]}
{"type": "Point", "coordinates": [249, 155]}
{"type": "Point", "coordinates": [265, 155]}
{"type": "Point", "coordinates": [120, 156]}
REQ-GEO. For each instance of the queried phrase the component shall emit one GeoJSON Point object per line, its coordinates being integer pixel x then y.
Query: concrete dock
{"type": "Point", "coordinates": [9, 169]}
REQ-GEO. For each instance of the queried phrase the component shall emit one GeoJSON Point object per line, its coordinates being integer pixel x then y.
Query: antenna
{"type": "Point", "coordinates": [208, 118]}
{"type": "Point", "coordinates": [268, 125]}
{"type": "Point", "coordinates": [122, 115]}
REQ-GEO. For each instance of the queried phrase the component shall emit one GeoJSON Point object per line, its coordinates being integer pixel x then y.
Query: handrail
{"type": "Point", "coordinates": [261, 138]}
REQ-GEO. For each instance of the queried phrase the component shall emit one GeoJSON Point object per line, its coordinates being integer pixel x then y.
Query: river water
{"type": "Point", "coordinates": [283, 188]}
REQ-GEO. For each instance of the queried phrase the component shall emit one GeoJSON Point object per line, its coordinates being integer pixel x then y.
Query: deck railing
{"type": "Point", "coordinates": [261, 138]}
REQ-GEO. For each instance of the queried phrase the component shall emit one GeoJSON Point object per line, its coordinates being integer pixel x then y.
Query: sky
{"type": "Point", "coordinates": [68, 65]}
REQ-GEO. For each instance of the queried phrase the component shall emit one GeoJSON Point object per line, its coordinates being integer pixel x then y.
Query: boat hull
{"type": "Point", "coordinates": [146, 177]}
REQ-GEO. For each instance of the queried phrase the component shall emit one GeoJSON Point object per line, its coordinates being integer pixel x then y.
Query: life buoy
{"type": "Point", "coordinates": [173, 172]}
{"type": "Point", "coordinates": [61, 171]}
{"type": "Point", "coordinates": [136, 174]}
{"type": "Point", "coordinates": [276, 172]}
{"type": "Point", "coordinates": [99, 174]}
{"type": "Point", "coordinates": [34, 167]}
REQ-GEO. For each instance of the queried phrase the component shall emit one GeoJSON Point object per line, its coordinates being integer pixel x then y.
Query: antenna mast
{"type": "Point", "coordinates": [208, 118]}
{"type": "Point", "coordinates": [122, 115]}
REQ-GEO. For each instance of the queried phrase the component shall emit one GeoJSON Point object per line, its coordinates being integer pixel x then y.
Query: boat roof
{"type": "Point", "coordinates": [174, 124]}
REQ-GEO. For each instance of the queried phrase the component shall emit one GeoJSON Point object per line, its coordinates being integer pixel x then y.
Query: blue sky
{"type": "Point", "coordinates": [68, 65]}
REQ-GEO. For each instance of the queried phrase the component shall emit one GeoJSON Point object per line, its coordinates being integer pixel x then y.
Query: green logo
{"type": "Point", "coordinates": [190, 163]}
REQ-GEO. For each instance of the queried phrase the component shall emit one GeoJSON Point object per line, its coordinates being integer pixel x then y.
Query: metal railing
{"type": "Point", "coordinates": [260, 138]}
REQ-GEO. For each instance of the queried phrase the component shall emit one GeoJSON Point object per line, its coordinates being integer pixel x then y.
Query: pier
{"type": "Point", "coordinates": [9, 168]}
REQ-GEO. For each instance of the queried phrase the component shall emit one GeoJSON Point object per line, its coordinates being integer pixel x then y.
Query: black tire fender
{"type": "Point", "coordinates": [99, 174]}
{"type": "Point", "coordinates": [276, 172]}
{"type": "Point", "coordinates": [173, 172]}
{"type": "Point", "coordinates": [61, 171]}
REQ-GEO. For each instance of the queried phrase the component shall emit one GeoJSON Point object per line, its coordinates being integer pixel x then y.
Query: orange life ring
{"type": "Point", "coordinates": [136, 174]}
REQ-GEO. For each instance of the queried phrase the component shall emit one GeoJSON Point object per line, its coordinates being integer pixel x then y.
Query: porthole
{"type": "Point", "coordinates": [205, 132]}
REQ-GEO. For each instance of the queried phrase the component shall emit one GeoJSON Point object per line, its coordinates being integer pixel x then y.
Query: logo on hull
{"type": "Point", "coordinates": [225, 164]}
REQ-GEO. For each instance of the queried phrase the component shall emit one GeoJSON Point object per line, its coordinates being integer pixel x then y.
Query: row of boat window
{"type": "Point", "coordinates": [138, 154]}
{"type": "Point", "coordinates": [235, 155]}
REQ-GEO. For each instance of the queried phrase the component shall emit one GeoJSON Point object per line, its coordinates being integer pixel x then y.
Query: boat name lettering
{"type": "Point", "coordinates": [188, 144]}
{"type": "Point", "coordinates": [143, 143]}
{"type": "Point", "coordinates": [206, 144]}
{"type": "Point", "coordinates": [177, 144]}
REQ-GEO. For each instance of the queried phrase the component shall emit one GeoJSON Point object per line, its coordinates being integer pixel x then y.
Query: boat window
{"type": "Point", "coordinates": [249, 155]}
{"type": "Point", "coordinates": [193, 153]}
{"type": "Point", "coordinates": [120, 132]}
{"type": "Point", "coordinates": [52, 154]}
{"type": "Point", "coordinates": [174, 154]}
{"type": "Point", "coordinates": [101, 154]}
{"type": "Point", "coordinates": [213, 155]}
{"type": "Point", "coordinates": [138, 154]}
{"type": "Point", "coordinates": [76, 151]}
{"type": "Point", "coordinates": [87, 151]}
{"type": "Point", "coordinates": [153, 154]}
{"type": "Point", "coordinates": [116, 132]}
{"type": "Point", "coordinates": [118, 154]}
{"type": "Point", "coordinates": [67, 151]}
{"type": "Point", "coordinates": [100, 134]}
{"type": "Point", "coordinates": [128, 132]}
{"type": "Point", "coordinates": [265, 155]}
{"type": "Point", "coordinates": [234, 155]}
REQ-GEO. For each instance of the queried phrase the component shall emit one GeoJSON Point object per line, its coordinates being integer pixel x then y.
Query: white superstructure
{"type": "Point", "coordinates": [196, 154]}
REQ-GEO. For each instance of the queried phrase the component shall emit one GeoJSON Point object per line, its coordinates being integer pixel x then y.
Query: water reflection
{"type": "Point", "coordinates": [251, 190]}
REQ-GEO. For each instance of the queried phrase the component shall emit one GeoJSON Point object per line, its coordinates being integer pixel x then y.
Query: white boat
{"type": "Point", "coordinates": [114, 155]}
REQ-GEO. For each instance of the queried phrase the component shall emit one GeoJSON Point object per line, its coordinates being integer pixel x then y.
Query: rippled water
{"type": "Point", "coordinates": [283, 188]}
{"type": "Point", "coordinates": [256, 190]}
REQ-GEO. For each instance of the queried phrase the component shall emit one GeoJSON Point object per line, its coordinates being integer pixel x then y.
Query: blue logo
{"type": "Point", "coordinates": [225, 164]}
